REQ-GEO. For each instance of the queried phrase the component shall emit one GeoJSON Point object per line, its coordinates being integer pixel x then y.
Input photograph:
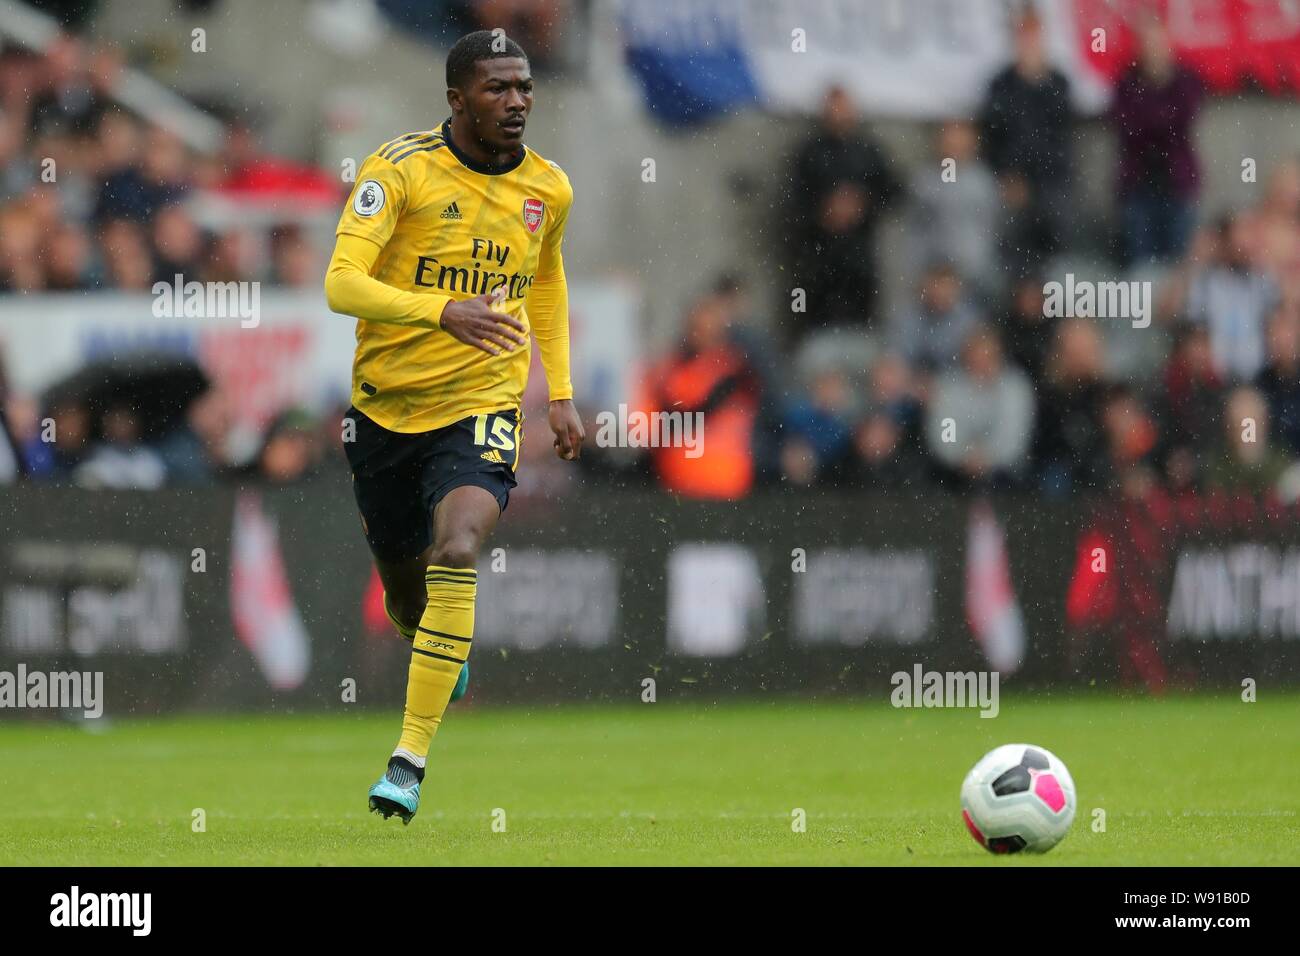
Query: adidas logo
{"type": "Point", "coordinates": [493, 456]}
{"type": "Point", "coordinates": [451, 212]}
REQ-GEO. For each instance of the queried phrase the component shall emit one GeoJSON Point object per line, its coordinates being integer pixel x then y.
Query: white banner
{"type": "Point", "coordinates": [295, 353]}
{"type": "Point", "coordinates": [909, 58]}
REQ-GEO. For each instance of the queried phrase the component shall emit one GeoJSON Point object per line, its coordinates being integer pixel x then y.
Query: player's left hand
{"type": "Point", "coordinates": [568, 429]}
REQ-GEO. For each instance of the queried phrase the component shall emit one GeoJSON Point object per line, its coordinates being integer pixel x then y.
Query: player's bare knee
{"type": "Point", "coordinates": [458, 552]}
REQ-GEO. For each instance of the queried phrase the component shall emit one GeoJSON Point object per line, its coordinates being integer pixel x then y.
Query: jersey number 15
{"type": "Point", "coordinates": [503, 432]}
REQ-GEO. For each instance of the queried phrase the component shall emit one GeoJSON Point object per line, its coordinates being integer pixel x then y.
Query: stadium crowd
{"type": "Point", "coordinates": [975, 383]}
{"type": "Point", "coordinates": [972, 384]}
{"type": "Point", "coordinates": [93, 197]}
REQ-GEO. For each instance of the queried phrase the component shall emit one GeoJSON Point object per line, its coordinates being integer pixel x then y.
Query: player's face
{"type": "Point", "coordinates": [498, 102]}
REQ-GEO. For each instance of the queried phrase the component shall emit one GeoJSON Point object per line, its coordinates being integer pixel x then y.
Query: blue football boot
{"type": "Point", "coordinates": [398, 791]}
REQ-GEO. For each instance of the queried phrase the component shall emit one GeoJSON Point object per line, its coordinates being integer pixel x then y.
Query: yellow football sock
{"type": "Point", "coordinates": [439, 651]}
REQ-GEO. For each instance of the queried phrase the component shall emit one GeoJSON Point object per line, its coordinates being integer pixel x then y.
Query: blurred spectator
{"type": "Point", "coordinates": [885, 447]}
{"type": "Point", "coordinates": [128, 264]}
{"type": "Point", "coordinates": [535, 24]}
{"type": "Point", "coordinates": [1154, 111]}
{"type": "Point", "coordinates": [820, 424]}
{"type": "Point", "coordinates": [732, 295]}
{"type": "Point", "coordinates": [194, 453]}
{"type": "Point", "coordinates": [67, 168]}
{"type": "Point", "coordinates": [839, 185]}
{"type": "Point", "coordinates": [1275, 221]}
{"type": "Point", "coordinates": [63, 439]}
{"type": "Point", "coordinates": [1279, 382]}
{"type": "Point", "coordinates": [68, 263]}
{"type": "Point", "coordinates": [42, 202]}
{"type": "Point", "coordinates": [932, 336]}
{"type": "Point", "coordinates": [68, 101]}
{"type": "Point", "coordinates": [1233, 301]}
{"type": "Point", "coordinates": [957, 220]}
{"type": "Point", "coordinates": [1247, 460]}
{"type": "Point", "coordinates": [293, 262]}
{"type": "Point", "coordinates": [894, 391]}
{"type": "Point", "coordinates": [124, 191]}
{"type": "Point", "coordinates": [166, 165]}
{"type": "Point", "coordinates": [230, 258]}
{"type": "Point", "coordinates": [539, 25]}
{"type": "Point", "coordinates": [1132, 440]}
{"type": "Point", "coordinates": [1069, 446]}
{"type": "Point", "coordinates": [880, 456]}
{"type": "Point", "coordinates": [15, 173]}
{"type": "Point", "coordinates": [1027, 330]}
{"type": "Point", "coordinates": [20, 238]}
{"type": "Point", "coordinates": [798, 461]}
{"type": "Point", "coordinates": [711, 375]}
{"type": "Point", "coordinates": [120, 459]}
{"type": "Point", "coordinates": [1192, 400]}
{"type": "Point", "coordinates": [981, 415]}
{"type": "Point", "coordinates": [178, 245]}
{"type": "Point", "coordinates": [291, 451]}
{"type": "Point", "coordinates": [1026, 124]}
{"type": "Point", "coordinates": [116, 142]}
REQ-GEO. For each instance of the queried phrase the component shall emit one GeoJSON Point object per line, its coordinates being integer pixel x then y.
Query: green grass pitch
{"type": "Point", "coordinates": [1182, 780]}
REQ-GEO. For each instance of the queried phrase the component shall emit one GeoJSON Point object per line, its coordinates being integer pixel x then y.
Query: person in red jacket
{"type": "Point", "coordinates": [710, 374]}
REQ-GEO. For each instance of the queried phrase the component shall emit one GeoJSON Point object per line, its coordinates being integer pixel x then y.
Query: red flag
{"type": "Point", "coordinates": [266, 619]}
{"type": "Point", "coordinates": [991, 608]}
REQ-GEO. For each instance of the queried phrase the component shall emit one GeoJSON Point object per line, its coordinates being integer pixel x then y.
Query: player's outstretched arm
{"type": "Point", "coordinates": [350, 289]}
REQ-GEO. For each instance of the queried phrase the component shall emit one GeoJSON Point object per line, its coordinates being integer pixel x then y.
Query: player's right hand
{"type": "Point", "coordinates": [475, 322]}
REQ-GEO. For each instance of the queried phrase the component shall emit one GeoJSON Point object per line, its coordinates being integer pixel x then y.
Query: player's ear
{"type": "Point", "coordinates": [455, 100]}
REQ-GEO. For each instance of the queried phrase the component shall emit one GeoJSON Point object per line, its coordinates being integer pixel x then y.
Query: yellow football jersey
{"type": "Point", "coordinates": [452, 228]}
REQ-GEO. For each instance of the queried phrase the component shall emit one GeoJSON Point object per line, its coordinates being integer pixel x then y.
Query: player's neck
{"type": "Point", "coordinates": [468, 146]}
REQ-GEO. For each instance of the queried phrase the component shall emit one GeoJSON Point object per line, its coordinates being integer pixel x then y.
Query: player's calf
{"type": "Point", "coordinates": [406, 624]}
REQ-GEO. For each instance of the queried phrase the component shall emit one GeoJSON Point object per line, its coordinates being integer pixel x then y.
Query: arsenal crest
{"type": "Point", "coordinates": [533, 212]}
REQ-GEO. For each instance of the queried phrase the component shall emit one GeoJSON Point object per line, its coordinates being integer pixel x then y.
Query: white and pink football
{"type": "Point", "coordinates": [1018, 797]}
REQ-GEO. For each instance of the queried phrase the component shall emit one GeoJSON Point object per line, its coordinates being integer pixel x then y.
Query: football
{"type": "Point", "coordinates": [1018, 797]}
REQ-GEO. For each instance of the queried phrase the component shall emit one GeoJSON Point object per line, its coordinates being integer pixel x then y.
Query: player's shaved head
{"type": "Point", "coordinates": [490, 92]}
{"type": "Point", "coordinates": [473, 48]}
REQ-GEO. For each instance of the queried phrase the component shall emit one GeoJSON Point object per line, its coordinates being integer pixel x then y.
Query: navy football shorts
{"type": "Point", "coordinates": [399, 479]}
